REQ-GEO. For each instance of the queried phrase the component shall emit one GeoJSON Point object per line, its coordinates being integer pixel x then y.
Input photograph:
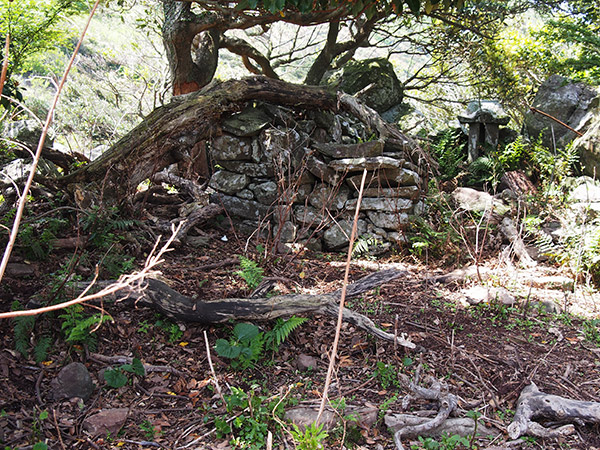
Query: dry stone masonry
{"type": "Point", "coordinates": [295, 176]}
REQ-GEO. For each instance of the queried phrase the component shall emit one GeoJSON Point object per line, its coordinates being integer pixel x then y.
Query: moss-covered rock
{"type": "Point", "coordinates": [375, 79]}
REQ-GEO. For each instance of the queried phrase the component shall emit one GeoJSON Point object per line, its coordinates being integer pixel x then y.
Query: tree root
{"type": "Point", "coordinates": [407, 425]}
{"type": "Point", "coordinates": [533, 404]}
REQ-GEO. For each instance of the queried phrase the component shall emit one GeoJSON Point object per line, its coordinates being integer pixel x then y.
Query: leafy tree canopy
{"type": "Point", "coordinates": [33, 26]}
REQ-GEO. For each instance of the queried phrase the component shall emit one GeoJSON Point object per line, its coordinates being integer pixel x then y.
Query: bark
{"type": "Point", "coordinates": [334, 49]}
{"type": "Point", "coordinates": [176, 128]}
{"type": "Point", "coordinates": [183, 31]}
{"type": "Point", "coordinates": [247, 52]}
{"type": "Point", "coordinates": [171, 303]}
{"type": "Point", "coordinates": [534, 404]}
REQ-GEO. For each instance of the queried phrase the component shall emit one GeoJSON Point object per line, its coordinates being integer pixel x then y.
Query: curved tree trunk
{"type": "Point", "coordinates": [171, 131]}
{"type": "Point", "coordinates": [183, 34]}
{"type": "Point", "coordinates": [174, 129]}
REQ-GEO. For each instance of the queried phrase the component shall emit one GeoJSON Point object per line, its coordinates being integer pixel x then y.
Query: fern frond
{"type": "Point", "coordinates": [251, 272]}
{"type": "Point", "coordinates": [22, 333]}
{"type": "Point", "coordinates": [40, 351]}
{"type": "Point", "coordinates": [283, 328]}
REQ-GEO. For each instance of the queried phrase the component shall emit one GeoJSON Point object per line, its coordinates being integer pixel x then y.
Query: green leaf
{"type": "Point", "coordinates": [414, 5]}
{"type": "Point", "coordinates": [138, 367]}
{"type": "Point", "coordinates": [43, 415]}
{"type": "Point", "coordinates": [226, 350]}
{"type": "Point", "coordinates": [115, 378]}
{"type": "Point", "coordinates": [245, 331]}
{"type": "Point", "coordinates": [40, 446]}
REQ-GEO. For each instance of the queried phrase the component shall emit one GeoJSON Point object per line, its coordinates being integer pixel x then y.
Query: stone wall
{"type": "Point", "coordinates": [295, 176]}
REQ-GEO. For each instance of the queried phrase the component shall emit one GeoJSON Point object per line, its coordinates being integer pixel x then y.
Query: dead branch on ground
{"type": "Point", "coordinates": [535, 404]}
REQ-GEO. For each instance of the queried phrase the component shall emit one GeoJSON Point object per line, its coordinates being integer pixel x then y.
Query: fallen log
{"type": "Point", "coordinates": [171, 303]}
{"type": "Point", "coordinates": [535, 404]}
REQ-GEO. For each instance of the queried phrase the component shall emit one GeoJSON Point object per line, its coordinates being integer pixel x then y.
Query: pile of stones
{"type": "Point", "coordinates": [295, 176]}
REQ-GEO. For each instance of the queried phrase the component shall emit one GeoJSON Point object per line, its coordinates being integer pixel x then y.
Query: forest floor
{"type": "Point", "coordinates": [486, 354]}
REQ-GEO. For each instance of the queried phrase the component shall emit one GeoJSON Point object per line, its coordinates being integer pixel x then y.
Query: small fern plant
{"type": "Point", "coordinates": [246, 347]}
{"type": "Point", "coordinates": [251, 272]}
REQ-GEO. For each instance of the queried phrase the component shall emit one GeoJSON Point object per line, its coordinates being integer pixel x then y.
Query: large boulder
{"type": "Point", "coordinates": [588, 147]}
{"type": "Point", "coordinates": [570, 102]}
{"type": "Point", "coordinates": [27, 132]}
{"type": "Point", "coordinates": [375, 79]}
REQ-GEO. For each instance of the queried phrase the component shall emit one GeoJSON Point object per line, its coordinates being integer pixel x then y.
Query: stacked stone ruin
{"type": "Point", "coordinates": [295, 176]}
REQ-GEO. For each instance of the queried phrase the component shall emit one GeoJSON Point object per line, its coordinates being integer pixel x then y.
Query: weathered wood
{"type": "Point", "coordinates": [184, 122]}
{"type": "Point", "coordinates": [519, 183]}
{"type": "Point", "coordinates": [171, 303]}
{"type": "Point", "coordinates": [175, 129]}
{"type": "Point", "coordinates": [197, 216]}
{"type": "Point", "coordinates": [534, 404]}
{"type": "Point", "coordinates": [507, 228]}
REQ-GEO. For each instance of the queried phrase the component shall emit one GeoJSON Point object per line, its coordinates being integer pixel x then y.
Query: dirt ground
{"type": "Point", "coordinates": [485, 354]}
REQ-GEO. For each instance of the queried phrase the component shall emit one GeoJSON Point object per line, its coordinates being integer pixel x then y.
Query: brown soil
{"type": "Point", "coordinates": [485, 354]}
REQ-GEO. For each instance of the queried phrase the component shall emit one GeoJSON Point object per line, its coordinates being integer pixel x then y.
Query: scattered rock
{"type": "Point", "coordinates": [73, 380]}
{"type": "Point", "coordinates": [374, 80]}
{"type": "Point", "coordinates": [304, 416]}
{"type": "Point", "coordinates": [463, 274]}
{"type": "Point", "coordinates": [20, 270]}
{"type": "Point", "coordinates": [451, 426]}
{"type": "Point", "coordinates": [306, 362]}
{"type": "Point", "coordinates": [473, 200]}
{"type": "Point", "coordinates": [588, 146]}
{"type": "Point", "coordinates": [108, 421]}
{"type": "Point", "coordinates": [483, 294]}
{"type": "Point", "coordinates": [27, 132]}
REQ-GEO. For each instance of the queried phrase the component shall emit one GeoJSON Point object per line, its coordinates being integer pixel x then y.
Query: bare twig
{"type": "Point", "coordinates": [5, 63]}
{"type": "Point", "coordinates": [38, 153]}
{"type": "Point", "coordinates": [132, 281]}
{"type": "Point", "coordinates": [212, 370]}
{"type": "Point", "coordinates": [342, 299]}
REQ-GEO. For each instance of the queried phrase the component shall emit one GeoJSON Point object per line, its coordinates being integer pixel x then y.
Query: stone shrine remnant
{"type": "Point", "coordinates": [483, 118]}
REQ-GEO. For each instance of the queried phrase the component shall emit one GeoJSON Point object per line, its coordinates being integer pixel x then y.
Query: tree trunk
{"type": "Point", "coordinates": [183, 35]}
{"type": "Point", "coordinates": [174, 129]}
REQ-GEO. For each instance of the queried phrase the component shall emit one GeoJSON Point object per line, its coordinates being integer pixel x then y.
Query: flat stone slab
{"type": "Point", "coordinates": [360, 150]}
{"type": "Point", "coordinates": [105, 422]}
{"type": "Point", "coordinates": [384, 178]}
{"type": "Point", "coordinates": [228, 182]}
{"type": "Point", "coordinates": [388, 205]}
{"type": "Point", "coordinates": [370, 163]}
{"type": "Point", "coordinates": [247, 209]}
{"type": "Point", "coordinates": [411, 192]}
{"type": "Point", "coordinates": [249, 122]}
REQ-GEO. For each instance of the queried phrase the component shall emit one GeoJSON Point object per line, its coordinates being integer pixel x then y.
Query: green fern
{"type": "Point", "coordinates": [281, 331]}
{"type": "Point", "coordinates": [77, 327]}
{"type": "Point", "coordinates": [251, 272]}
{"type": "Point", "coordinates": [23, 330]}
{"type": "Point", "coordinates": [40, 351]}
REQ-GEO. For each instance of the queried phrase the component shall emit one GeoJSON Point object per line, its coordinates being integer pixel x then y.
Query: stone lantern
{"type": "Point", "coordinates": [483, 118]}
